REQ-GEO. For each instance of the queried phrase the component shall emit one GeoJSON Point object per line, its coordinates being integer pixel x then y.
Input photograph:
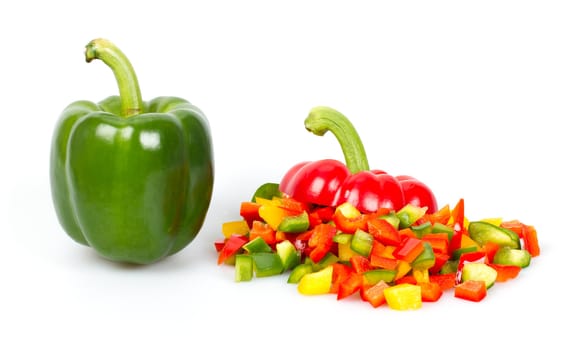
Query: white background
{"type": "Point", "coordinates": [470, 97]}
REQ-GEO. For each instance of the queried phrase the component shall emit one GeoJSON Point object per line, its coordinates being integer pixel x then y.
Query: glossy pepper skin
{"type": "Point", "coordinates": [131, 179]}
{"type": "Point", "coordinates": [330, 182]}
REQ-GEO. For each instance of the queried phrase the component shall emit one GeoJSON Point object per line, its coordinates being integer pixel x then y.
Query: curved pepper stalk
{"type": "Point", "coordinates": [329, 182]}
{"type": "Point", "coordinates": [131, 179]}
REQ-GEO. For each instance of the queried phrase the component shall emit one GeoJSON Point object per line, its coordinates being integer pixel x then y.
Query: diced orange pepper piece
{"type": "Point", "coordinates": [374, 294]}
{"type": "Point", "coordinates": [430, 291]}
{"type": "Point", "coordinates": [438, 241]}
{"type": "Point", "coordinates": [263, 230]}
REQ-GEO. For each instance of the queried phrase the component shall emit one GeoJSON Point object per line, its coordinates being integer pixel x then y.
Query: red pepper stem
{"type": "Point", "coordinates": [113, 57]}
{"type": "Point", "coordinates": [323, 119]}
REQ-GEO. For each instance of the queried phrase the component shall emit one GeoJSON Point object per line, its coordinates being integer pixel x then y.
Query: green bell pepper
{"type": "Point", "coordinates": [132, 179]}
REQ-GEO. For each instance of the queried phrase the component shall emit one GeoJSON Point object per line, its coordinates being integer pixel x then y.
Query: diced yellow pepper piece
{"type": "Point", "coordinates": [345, 252]}
{"type": "Point", "coordinates": [272, 215]}
{"type": "Point", "coordinates": [348, 210]}
{"type": "Point", "coordinates": [403, 296]}
{"type": "Point", "coordinates": [403, 267]}
{"type": "Point", "coordinates": [421, 275]}
{"type": "Point", "coordinates": [466, 242]}
{"type": "Point", "coordinates": [318, 282]}
{"type": "Point", "coordinates": [388, 252]}
{"type": "Point", "coordinates": [271, 202]}
{"type": "Point", "coordinates": [234, 227]}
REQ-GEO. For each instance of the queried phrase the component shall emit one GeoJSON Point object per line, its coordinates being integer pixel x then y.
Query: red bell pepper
{"type": "Point", "coordinates": [329, 182]}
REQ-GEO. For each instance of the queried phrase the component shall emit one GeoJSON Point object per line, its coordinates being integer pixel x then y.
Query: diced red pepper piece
{"type": "Point", "coordinates": [490, 248]}
{"type": "Point", "coordinates": [321, 241]}
{"type": "Point", "coordinates": [360, 264]}
{"type": "Point", "coordinates": [471, 290]}
{"type": "Point", "coordinates": [505, 272]}
{"type": "Point", "coordinates": [409, 249]}
{"type": "Point", "coordinates": [384, 262]}
{"type": "Point", "coordinates": [249, 211]}
{"type": "Point", "coordinates": [531, 241]}
{"type": "Point", "coordinates": [381, 256]}
{"type": "Point", "coordinates": [263, 230]}
{"type": "Point", "coordinates": [374, 294]}
{"type": "Point", "coordinates": [383, 231]}
{"type": "Point", "coordinates": [349, 219]}
{"type": "Point", "coordinates": [376, 249]}
{"type": "Point", "coordinates": [232, 245]}
{"type": "Point", "coordinates": [457, 217]}
{"type": "Point", "coordinates": [514, 226]}
{"type": "Point", "coordinates": [440, 260]}
{"type": "Point", "coordinates": [218, 244]}
{"type": "Point", "coordinates": [293, 205]}
{"type": "Point", "coordinates": [430, 291]}
{"type": "Point", "coordinates": [350, 285]}
{"type": "Point", "coordinates": [410, 279]}
{"type": "Point", "coordinates": [340, 273]}
{"type": "Point", "coordinates": [325, 213]}
{"type": "Point", "coordinates": [320, 215]}
{"type": "Point", "coordinates": [446, 280]}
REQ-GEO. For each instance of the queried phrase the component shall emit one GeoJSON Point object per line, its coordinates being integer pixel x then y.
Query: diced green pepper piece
{"type": "Point", "coordinates": [510, 256]}
{"type": "Point", "coordinates": [290, 257]}
{"type": "Point", "coordinates": [409, 214]}
{"type": "Point", "coordinates": [342, 238]}
{"type": "Point", "coordinates": [442, 228]}
{"type": "Point", "coordinates": [372, 277]}
{"type": "Point", "coordinates": [299, 271]}
{"type": "Point", "coordinates": [295, 224]}
{"type": "Point", "coordinates": [426, 259]}
{"type": "Point", "coordinates": [243, 268]}
{"type": "Point", "coordinates": [422, 229]}
{"type": "Point", "coordinates": [327, 260]}
{"type": "Point", "coordinates": [361, 242]}
{"type": "Point", "coordinates": [267, 264]}
{"type": "Point", "coordinates": [458, 252]}
{"type": "Point", "coordinates": [482, 232]}
{"type": "Point", "coordinates": [392, 218]}
{"type": "Point", "coordinates": [257, 245]}
{"type": "Point", "coordinates": [479, 272]}
{"type": "Point", "coordinates": [450, 266]}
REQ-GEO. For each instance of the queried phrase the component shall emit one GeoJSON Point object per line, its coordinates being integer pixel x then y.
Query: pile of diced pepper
{"type": "Point", "coordinates": [397, 258]}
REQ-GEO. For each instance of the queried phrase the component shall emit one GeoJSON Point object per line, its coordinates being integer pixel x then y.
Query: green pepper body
{"type": "Point", "coordinates": [136, 188]}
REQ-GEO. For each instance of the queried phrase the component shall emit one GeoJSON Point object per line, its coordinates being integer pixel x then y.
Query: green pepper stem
{"type": "Point", "coordinates": [323, 119]}
{"type": "Point", "coordinates": [112, 56]}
